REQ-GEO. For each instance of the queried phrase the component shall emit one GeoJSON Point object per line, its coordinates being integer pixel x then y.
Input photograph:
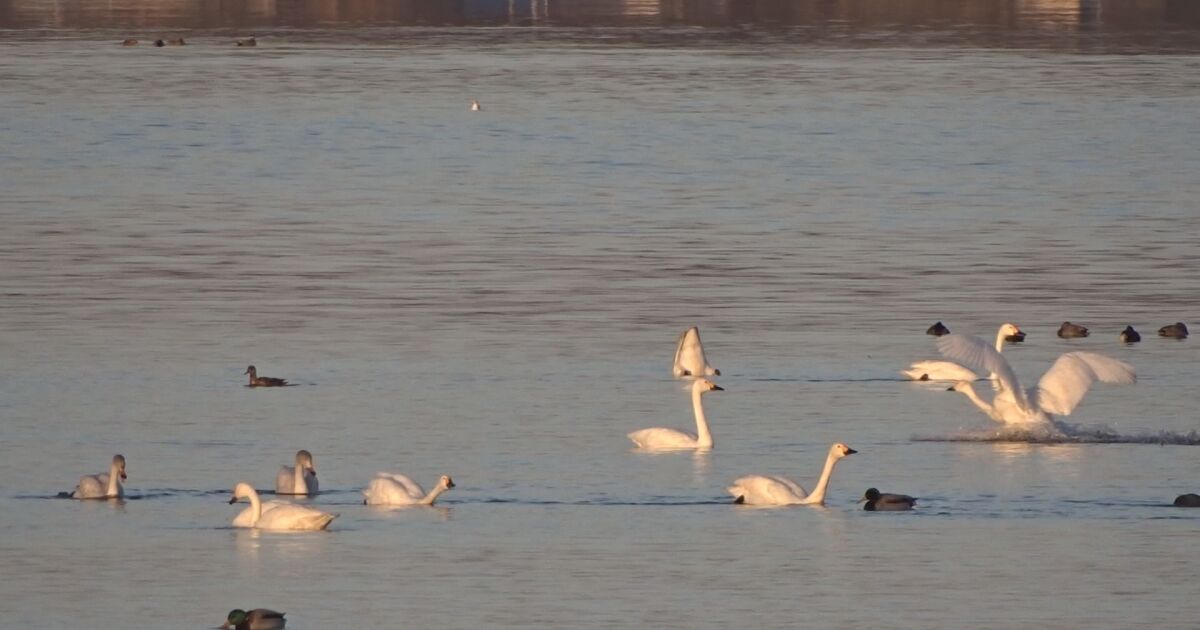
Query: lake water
{"type": "Point", "coordinates": [496, 296]}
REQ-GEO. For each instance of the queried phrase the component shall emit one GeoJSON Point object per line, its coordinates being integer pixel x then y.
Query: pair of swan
{"type": "Point", "coordinates": [277, 515]}
{"type": "Point", "coordinates": [1059, 391]}
{"type": "Point", "coordinates": [689, 362]}
{"type": "Point", "coordinates": [300, 479]}
{"type": "Point", "coordinates": [396, 489]}
{"type": "Point", "coordinates": [949, 371]}
{"type": "Point", "coordinates": [257, 619]}
{"type": "Point", "coordinates": [104, 485]}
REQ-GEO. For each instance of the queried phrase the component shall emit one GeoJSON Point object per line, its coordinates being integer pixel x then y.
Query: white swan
{"type": "Point", "coordinates": [104, 485]}
{"type": "Point", "coordinates": [689, 356]}
{"type": "Point", "coordinates": [299, 479]}
{"type": "Point", "coordinates": [396, 489]}
{"type": "Point", "coordinates": [770, 490]}
{"type": "Point", "coordinates": [660, 438]}
{"type": "Point", "coordinates": [1058, 392]}
{"type": "Point", "coordinates": [949, 371]}
{"type": "Point", "coordinates": [277, 515]}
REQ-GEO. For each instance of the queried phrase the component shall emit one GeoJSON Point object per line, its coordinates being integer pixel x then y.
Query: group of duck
{"type": "Point", "coordinates": [178, 41]}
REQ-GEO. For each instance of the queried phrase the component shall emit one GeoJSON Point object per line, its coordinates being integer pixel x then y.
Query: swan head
{"type": "Point", "coordinates": [446, 482]}
{"type": "Point", "coordinates": [704, 386]}
{"type": "Point", "coordinates": [304, 460]}
{"type": "Point", "coordinates": [872, 494]}
{"type": "Point", "coordinates": [242, 491]}
{"type": "Point", "coordinates": [1012, 332]}
{"type": "Point", "coordinates": [118, 462]}
{"type": "Point", "coordinates": [840, 450]}
{"type": "Point", "coordinates": [251, 371]}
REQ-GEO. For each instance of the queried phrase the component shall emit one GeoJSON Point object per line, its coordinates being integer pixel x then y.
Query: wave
{"type": "Point", "coordinates": [1067, 434]}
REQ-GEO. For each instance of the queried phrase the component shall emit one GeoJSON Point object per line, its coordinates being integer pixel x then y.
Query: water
{"type": "Point", "coordinates": [496, 296]}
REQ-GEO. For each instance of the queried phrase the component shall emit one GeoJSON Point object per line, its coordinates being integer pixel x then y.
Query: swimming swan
{"type": "Point", "coordinates": [1058, 392]}
{"type": "Point", "coordinates": [660, 438]}
{"type": "Point", "coordinates": [104, 485]}
{"type": "Point", "coordinates": [949, 371]}
{"type": "Point", "coordinates": [257, 619]}
{"type": "Point", "coordinates": [877, 501]}
{"type": "Point", "coordinates": [277, 515]}
{"type": "Point", "coordinates": [689, 356]}
{"type": "Point", "coordinates": [768, 490]}
{"type": "Point", "coordinates": [396, 489]}
{"type": "Point", "coordinates": [300, 479]}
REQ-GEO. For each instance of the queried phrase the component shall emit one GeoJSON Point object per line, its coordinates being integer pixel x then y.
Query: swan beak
{"type": "Point", "coordinates": [951, 389]}
{"type": "Point", "coordinates": [718, 388]}
{"type": "Point", "coordinates": [449, 484]}
{"type": "Point", "coordinates": [850, 451]}
{"type": "Point", "coordinates": [232, 500]}
{"type": "Point", "coordinates": [123, 477]}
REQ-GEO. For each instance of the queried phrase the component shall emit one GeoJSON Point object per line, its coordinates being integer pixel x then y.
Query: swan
{"type": "Point", "coordinates": [1187, 500]}
{"type": "Point", "coordinates": [877, 501]}
{"type": "Point", "coordinates": [1059, 391]}
{"type": "Point", "coordinates": [689, 356]}
{"type": "Point", "coordinates": [257, 619]}
{"type": "Point", "coordinates": [1070, 331]}
{"type": "Point", "coordinates": [277, 514]}
{"type": "Point", "coordinates": [937, 330]}
{"type": "Point", "coordinates": [660, 438]}
{"type": "Point", "coordinates": [950, 371]}
{"type": "Point", "coordinates": [1178, 330]}
{"type": "Point", "coordinates": [104, 485]}
{"type": "Point", "coordinates": [263, 381]}
{"type": "Point", "coordinates": [396, 489]}
{"type": "Point", "coordinates": [1129, 335]}
{"type": "Point", "coordinates": [767, 490]}
{"type": "Point", "coordinates": [299, 479]}
{"type": "Point", "coordinates": [475, 106]}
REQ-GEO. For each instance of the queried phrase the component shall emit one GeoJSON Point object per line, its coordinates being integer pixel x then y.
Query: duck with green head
{"type": "Point", "coordinates": [257, 619]}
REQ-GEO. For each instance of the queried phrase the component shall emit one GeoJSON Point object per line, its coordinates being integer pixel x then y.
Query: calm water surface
{"type": "Point", "coordinates": [496, 296]}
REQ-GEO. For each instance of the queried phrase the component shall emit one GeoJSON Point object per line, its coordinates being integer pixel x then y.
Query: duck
{"type": "Point", "coordinates": [1129, 335]}
{"type": "Point", "coordinates": [300, 479]}
{"type": "Point", "coordinates": [160, 43]}
{"type": "Point", "coordinates": [937, 330]}
{"type": "Point", "coordinates": [257, 619]}
{"type": "Point", "coordinates": [104, 485]}
{"type": "Point", "coordinates": [689, 356]}
{"type": "Point", "coordinates": [876, 501]}
{"type": "Point", "coordinates": [249, 41]}
{"type": "Point", "coordinates": [772, 490]}
{"type": "Point", "coordinates": [1058, 392]}
{"type": "Point", "coordinates": [178, 41]}
{"type": "Point", "coordinates": [396, 489]}
{"type": "Point", "coordinates": [129, 42]}
{"type": "Point", "coordinates": [263, 381]}
{"type": "Point", "coordinates": [1071, 331]}
{"type": "Point", "coordinates": [1187, 500]}
{"type": "Point", "coordinates": [475, 106]}
{"type": "Point", "coordinates": [950, 371]}
{"type": "Point", "coordinates": [277, 515]}
{"type": "Point", "coordinates": [1178, 330]}
{"type": "Point", "coordinates": [662, 438]}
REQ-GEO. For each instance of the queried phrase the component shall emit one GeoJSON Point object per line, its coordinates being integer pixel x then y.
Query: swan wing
{"type": "Point", "coordinates": [411, 487]}
{"type": "Point", "coordinates": [766, 490]}
{"type": "Point", "coordinates": [387, 491]}
{"type": "Point", "coordinates": [689, 355]}
{"type": "Point", "coordinates": [91, 487]}
{"type": "Point", "coordinates": [292, 516]}
{"type": "Point", "coordinates": [978, 354]}
{"type": "Point", "coordinates": [663, 438]}
{"type": "Point", "coordinates": [1063, 386]}
{"type": "Point", "coordinates": [285, 480]}
{"type": "Point", "coordinates": [939, 371]}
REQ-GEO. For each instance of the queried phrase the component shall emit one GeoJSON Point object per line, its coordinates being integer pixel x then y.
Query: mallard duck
{"type": "Point", "coordinates": [937, 330]}
{"type": "Point", "coordinates": [1178, 330]}
{"type": "Point", "coordinates": [877, 501]}
{"type": "Point", "coordinates": [263, 381]}
{"type": "Point", "coordinates": [1187, 500]}
{"type": "Point", "coordinates": [1129, 335]}
{"type": "Point", "coordinates": [257, 619]}
{"type": "Point", "coordinates": [1070, 331]}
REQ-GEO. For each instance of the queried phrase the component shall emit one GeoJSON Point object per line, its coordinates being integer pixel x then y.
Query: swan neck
{"type": "Point", "coordinates": [299, 485]}
{"type": "Point", "coordinates": [979, 402]}
{"type": "Point", "coordinates": [255, 506]}
{"type": "Point", "coordinates": [1000, 340]}
{"type": "Point", "coordinates": [433, 495]}
{"type": "Point", "coordinates": [703, 436]}
{"type": "Point", "coordinates": [817, 496]}
{"type": "Point", "coordinates": [114, 481]}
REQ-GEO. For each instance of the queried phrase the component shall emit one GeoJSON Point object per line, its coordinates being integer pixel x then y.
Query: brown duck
{"type": "Point", "coordinates": [263, 381]}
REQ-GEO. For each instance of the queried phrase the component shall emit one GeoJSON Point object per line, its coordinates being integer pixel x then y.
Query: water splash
{"type": "Point", "coordinates": [1067, 434]}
